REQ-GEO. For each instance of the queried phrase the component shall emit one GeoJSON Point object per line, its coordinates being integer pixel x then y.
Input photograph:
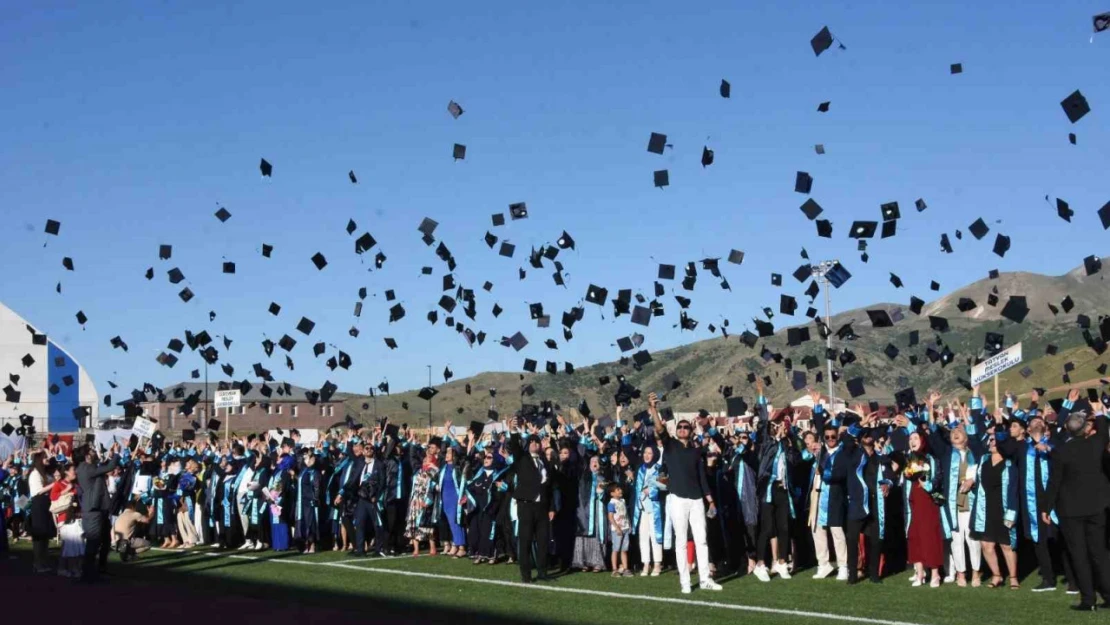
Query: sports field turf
{"type": "Point", "coordinates": [412, 589]}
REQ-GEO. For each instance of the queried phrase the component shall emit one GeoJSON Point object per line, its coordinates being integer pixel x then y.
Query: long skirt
{"type": "Point", "coordinates": [589, 553]}
{"type": "Point", "coordinates": [280, 536]}
{"type": "Point", "coordinates": [925, 539]}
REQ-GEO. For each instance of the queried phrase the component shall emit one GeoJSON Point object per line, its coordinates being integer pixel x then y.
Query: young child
{"type": "Point", "coordinates": [73, 544]}
{"type": "Point", "coordinates": [619, 529]}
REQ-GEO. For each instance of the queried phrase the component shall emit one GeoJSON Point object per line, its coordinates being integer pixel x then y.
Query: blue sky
{"type": "Point", "coordinates": [132, 123]}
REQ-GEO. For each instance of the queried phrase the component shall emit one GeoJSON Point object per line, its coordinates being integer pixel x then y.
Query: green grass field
{"type": "Point", "coordinates": [416, 589]}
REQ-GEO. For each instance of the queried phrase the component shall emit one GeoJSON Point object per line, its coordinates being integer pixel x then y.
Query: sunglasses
{"type": "Point", "coordinates": [683, 427]}
{"type": "Point", "coordinates": [831, 437]}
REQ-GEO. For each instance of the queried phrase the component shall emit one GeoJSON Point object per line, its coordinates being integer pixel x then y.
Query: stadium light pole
{"type": "Point", "coordinates": [429, 399]}
{"type": "Point", "coordinates": [822, 271]}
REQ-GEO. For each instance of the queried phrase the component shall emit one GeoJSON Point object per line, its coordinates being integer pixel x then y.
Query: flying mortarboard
{"type": "Point", "coordinates": [1075, 106]}
{"type": "Point", "coordinates": [661, 178]}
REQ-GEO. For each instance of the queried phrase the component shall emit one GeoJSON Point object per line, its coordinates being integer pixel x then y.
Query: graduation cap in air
{"type": "Point", "coordinates": [938, 324]}
{"type": "Point", "coordinates": [891, 351]}
{"type": "Point", "coordinates": [966, 304]}
{"type": "Point", "coordinates": [856, 388]}
{"type": "Point", "coordinates": [776, 279]}
{"type": "Point", "coordinates": [787, 304]}
{"type": "Point", "coordinates": [863, 229]}
{"type": "Point", "coordinates": [656, 143]}
{"type": "Point", "coordinates": [956, 68]}
{"type": "Point", "coordinates": [1001, 245]}
{"type": "Point", "coordinates": [824, 228]}
{"type": "Point", "coordinates": [803, 182]}
{"type": "Point", "coordinates": [267, 250]}
{"type": "Point", "coordinates": [803, 272]}
{"type": "Point", "coordinates": [706, 156]}
{"type": "Point", "coordinates": [1075, 106]}
{"type": "Point", "coordinates": [821, 41]}
{"type": "Point", "coordinates": [889, 229]}
{"type": "Point", "coordinates": [726, 89]}
{"type": "Point", "coordinates": [223, 214]}
{"type": "Point", "coordinates": [890, 211]}
{"type": "Point", "coordinates": [518, 210]}
{"type": "Point", "coordinates": [458, 151]}
{"type": "Point", "coordinates": [823, 107]}
{"type": "Point", "coordinates": [1015, 309]}
{"type": "Point", "coordinates": [661, 178]}
{"type": "Point", "coordinates": [1092, 265]}
{"type": "Point", "coordinates": [1063, 210]}
{"type": "Point", "coordinates": [896, 281]}
{"type": "Point", "coordinates": [811, 209]}
{"type": "Point", "coordinates": [880, 318]}
{"type": "Point", "coordinates": [797, 336]}
{"type": "Point", "coordinates": [945, 244]}
{"type": "Point", "coordinates": [454, 109]}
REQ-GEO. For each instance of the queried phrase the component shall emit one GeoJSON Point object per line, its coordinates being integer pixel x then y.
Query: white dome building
{"type": "Point", "coordinates": [44, 381]}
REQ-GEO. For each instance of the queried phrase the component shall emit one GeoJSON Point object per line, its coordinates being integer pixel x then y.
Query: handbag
{"type": "Point", "coordinates": [61, 504]}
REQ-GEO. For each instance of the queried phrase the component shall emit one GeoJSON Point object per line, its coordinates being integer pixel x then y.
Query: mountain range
{"type": "Point", "coordinates": [704, 367]}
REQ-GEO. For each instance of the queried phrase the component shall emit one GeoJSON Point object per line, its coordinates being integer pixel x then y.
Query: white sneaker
{"type": "Point", "coordinates": [245, 546]}
{"type": "Point", "coordinates": [685, 590]}
{"type": "Point", "coordinates": [782, 570]}
{"type": "Point", "coordinates": [842, 574]}
{"type": "Point", "coordinates": [761, 574]}
{"type": "Point", "coordinates": [951, 579]}
{"type": "Point", "coordinates": [710, 585]}
{"type": "Point", "coordinates": [916, 583]}
{"type": "Point", "coordinates": [823, 571]}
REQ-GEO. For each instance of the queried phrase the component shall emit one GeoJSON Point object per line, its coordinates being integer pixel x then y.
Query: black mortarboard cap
{"type": "Point", "coordinates": [803, 272]}
{"type": "Point", "coordinates": [856, 388]}
{"type": "Point", "coordinates": [1092, 264]}
{"type": "Point", "coordinates": [1075, 106]}
{"type": "Point", "coordinates": [596, 295]}
{"type": "Point", "coordinates": [824, 228]}
{"type": "Point", "coordinates": [1016, 309]}
{"type": "Point", "coordinates": [889, 229]}
{"type": "Point", "coordinates": [821, 41]}
{"type": "Point", "coordinates": [803, 182]}
{"type": "Point", "coordinates": [896, 281]}
{"type": "Point", "coordinates": [706, 156]}
{"type": "Point", "coordinates": [1001, 245]}
{"type": "Point", "coordinates": [891, 351]}
{"type": "Point", "coordinates": [938, 324]}
{"type": "Point", "coordinates": [880, 318]}
{"type": "Point", "coordinates": [966, 304]}
{"type": "Point", "coordinates": [863, 229]}
{"type": "Point", "coordinates": [223, 214]}
{"type": "Point", "coordinates": [458, 152]}
{"type": "Point", "coordinates": [656, 143]}
{"type": "Point", "coordinates": [662, 178]}
{"type": "Point", "coordinates": [811, 209]}
{"type": "Point", "coordinates": [666, 272]}
{"type": "Point", "coordinates": [776, 279]}
{"type": "Point", "coordinates": [787, 304]}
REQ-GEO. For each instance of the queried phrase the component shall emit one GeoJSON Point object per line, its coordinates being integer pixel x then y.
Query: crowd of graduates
{"type": "Point", "coordinates": [957, 492]}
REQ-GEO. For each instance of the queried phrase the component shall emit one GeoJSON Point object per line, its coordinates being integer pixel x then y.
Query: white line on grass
{"type": "Point", "coordinates": [575, 591]}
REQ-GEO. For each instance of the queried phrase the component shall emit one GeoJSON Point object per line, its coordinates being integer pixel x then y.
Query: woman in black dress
{"type": "Point", "coordinates": [994, 512]}
{"type": "Point", "coordinates": [42, 527]}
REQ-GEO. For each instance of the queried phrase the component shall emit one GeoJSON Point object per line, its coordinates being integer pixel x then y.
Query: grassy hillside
{"type": "Point", "coordinates": [703, 367]}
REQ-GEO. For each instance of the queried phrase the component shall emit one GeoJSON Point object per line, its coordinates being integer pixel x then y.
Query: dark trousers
{"type": "Point", "coordinates": [394, 524]}
{"type": "Point", "coordinates": [774, 520]}
{"type": "Point", "coordinates": [874, 546]}
{"type": "Point", "coordinates": [534, 533]}
{"type": "Point", "coordinates": [97, 543]}
{"type": "Point", "coordinates": [852, 530]}
{"type": "Point", "coordinates": [368, 518]}
{"type": "Point", "coordinates": [1086, 541]}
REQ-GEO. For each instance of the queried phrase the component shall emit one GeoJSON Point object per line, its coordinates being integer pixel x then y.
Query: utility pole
{"type": "Point", "coordinates": [429, 399]}
{"type": "Point", "coordinates": [823, 271]}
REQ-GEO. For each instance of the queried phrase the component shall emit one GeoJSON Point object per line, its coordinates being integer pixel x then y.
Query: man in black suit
{"type": "Point", "coordinates": [371, 506]}
{"type": "Point", "coordinates": [533, 500]}
{"type": "Point", "coordinates": [1080, 493]}
{"type": "Point", "coordinates": [95, 508]}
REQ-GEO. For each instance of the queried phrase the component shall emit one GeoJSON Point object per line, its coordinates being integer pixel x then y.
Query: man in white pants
{"type": "Point", "coordinates": [688, 494]}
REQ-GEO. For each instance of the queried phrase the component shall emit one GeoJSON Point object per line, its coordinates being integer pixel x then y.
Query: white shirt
{"type": "Point", "coordinates": [38, 485]}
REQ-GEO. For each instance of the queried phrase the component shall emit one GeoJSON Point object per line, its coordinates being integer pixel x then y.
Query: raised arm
{"type": "Point", "coordinates": [653, 410]}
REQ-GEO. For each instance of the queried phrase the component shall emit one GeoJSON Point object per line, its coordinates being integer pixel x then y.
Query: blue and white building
{"type": "Point", "coordinates": [51, 384]}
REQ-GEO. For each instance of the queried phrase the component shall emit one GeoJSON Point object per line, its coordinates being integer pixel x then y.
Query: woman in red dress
{"type": "Point", "coordinates": [66, 484]}
{"type": "Point", "coordinates": [924, 527]}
